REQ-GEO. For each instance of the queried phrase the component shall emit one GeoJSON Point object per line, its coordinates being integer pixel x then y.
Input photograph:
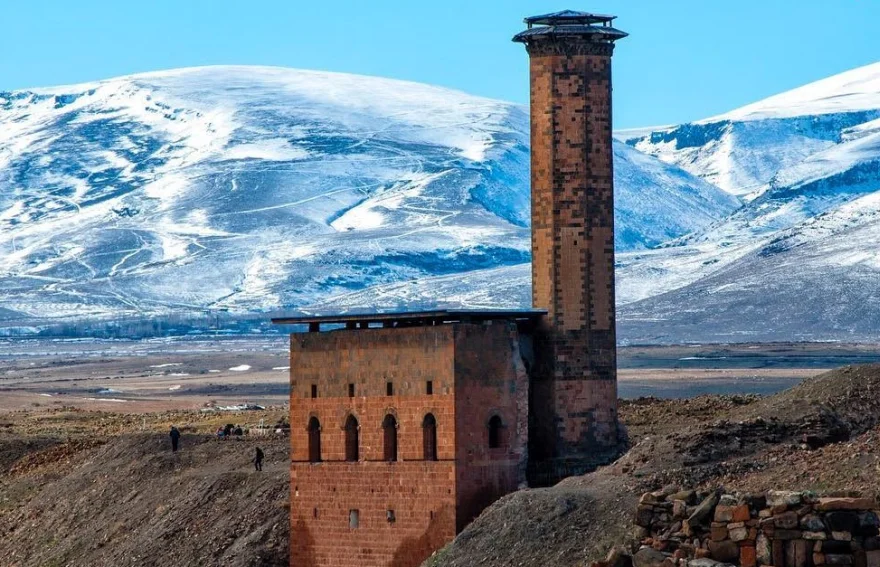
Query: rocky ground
{"type": "Point", "coordinates": [102, 489]}
{"type": "Point", "coordinates": [821, 435]}
{"type": "Point", "coordinates": [86, 488]}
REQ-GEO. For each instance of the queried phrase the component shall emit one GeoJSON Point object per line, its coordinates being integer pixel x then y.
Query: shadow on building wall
{"type": "Point", "coordinates": [413, 551]}
{"type": "Point", "coordinates": [302, 549]}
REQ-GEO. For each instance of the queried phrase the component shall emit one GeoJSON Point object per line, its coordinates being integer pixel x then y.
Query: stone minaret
{"type": "Point", "coordinates": [574, 393]}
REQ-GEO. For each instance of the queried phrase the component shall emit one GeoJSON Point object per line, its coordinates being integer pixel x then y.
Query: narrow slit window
{"type": "Point", "coordinates": [352, 441]}
{"type": "Point", "coordinates": [496, 428]}
{"type": "Point", "coordinates": [314, 391]}
{"type": "Point", "coordinates": [314, 440]}
{"type": "Point", "coordinates": [429, 437]}
{"type": "Point", "coordinates": [429, 387]}
{"type": "Point", "coordinates": [389, 388]}
{"type": "Point", "coordinates": [389, 425]}
{"type": "Point", "coordinates": [354, 519]}
{"type": "Point", "coordinates": [351, 390]}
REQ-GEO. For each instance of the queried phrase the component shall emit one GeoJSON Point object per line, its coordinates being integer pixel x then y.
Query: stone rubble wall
{"type": "Point", "coordinates": [683, 528]}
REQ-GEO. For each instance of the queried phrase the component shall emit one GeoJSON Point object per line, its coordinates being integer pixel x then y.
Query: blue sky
{"type": "Point", "coordinates": [685, 59]}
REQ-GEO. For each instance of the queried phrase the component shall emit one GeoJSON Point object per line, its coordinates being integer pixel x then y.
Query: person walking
{"type": "Point", "coordinates": [175, 438]}
{"type": "Point", "coordinates": [258, 460]}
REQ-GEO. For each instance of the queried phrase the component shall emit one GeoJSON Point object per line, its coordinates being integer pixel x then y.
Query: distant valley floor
{"type": "Point", "coordinates": [194, 373]}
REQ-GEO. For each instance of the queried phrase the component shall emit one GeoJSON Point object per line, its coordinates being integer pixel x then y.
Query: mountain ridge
{"type": "Point", "coordinates": [246, 189]}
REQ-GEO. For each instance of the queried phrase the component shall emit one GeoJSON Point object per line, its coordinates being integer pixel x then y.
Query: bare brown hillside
{"type": "Point", "coordinates": [126, 500]}
{"type": "Point", "coordinates": [84, 488]}
{"type": "Point", "coordinates": [823, 435]}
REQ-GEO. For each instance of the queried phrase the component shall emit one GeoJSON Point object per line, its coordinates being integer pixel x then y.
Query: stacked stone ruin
{"type": "Point", "coordinates": [683, 528]}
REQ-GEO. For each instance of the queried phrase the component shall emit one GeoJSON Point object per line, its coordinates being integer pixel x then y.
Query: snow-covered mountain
{"type": "Point", "coordinates": [799, 260]}
{"type": "Point", "coordinates": [759, 147]}
{"type": "Point", "coordinates": [253, 188]}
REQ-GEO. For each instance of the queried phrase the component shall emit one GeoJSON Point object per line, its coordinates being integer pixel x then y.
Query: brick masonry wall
{"type": "Point", "coordinates": [491, 379]}
{"type": "Point", "coordinates": [421, 494]}
{"type": "Point", "coordinates": [476, 371]}
{"type": "Point", "coordinates": [573, 250]}
{"type": "Point", "coordinates": [369, 358]}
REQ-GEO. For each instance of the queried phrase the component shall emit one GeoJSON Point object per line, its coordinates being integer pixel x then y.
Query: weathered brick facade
{"type": "Point", "coordinates": [575, 385]}
{"type": "Point", "coordinates": [404, 427]}
{"type": "Point", "coordinates": [476, 372]}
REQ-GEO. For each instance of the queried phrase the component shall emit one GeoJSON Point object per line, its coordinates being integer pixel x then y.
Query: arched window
{"type": "Point", "coordinates": [390, 427]}
{"type": "Point", "coordinates": [352, 443]}
{"type": "Point", "coordinates": [429, 437]}
{"type": "Point", "coordinates": [314, 440]}
{"type": "Point", "coordinates": [496, 432]}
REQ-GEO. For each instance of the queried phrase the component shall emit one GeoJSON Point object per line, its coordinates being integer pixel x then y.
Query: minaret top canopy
{"type": "Point", "coordinates": [595, 28]}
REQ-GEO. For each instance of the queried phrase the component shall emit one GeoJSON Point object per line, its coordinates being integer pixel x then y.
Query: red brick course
{"type": "Point", "coordinates": [476, 372]}
{"type": "Point", "coordinates": [573, 251]}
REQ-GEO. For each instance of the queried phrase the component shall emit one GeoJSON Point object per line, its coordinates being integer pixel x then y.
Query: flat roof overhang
{"type": "Point", "coordinates": [411, 318]}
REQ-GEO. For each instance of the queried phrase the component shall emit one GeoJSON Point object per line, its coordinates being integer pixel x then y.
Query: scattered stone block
{"type": "Point", "coordinates": [724, 513]}
{"type": "Point", "coordinates": [869, 524]}
{"type": "Point", "coordinates": [741, 513]}
{"type": "Point", "coordinates": [726, 551]}
{"type": "Point", "coordinates": [764, 550]}
{"type": "Point", "coordinates": [704, 510]}
{"type": "Point", "coordinates": [648, 557]}
{"type": "Point", "coordinates": [798, 552]}
{"type": "Point", "coordinates": [872, 558]}
{"type": "Point", "coordinates": [786, 520]}
{"type": "Point", "coordinates": [644, 516]}
{"type": "Point", "coordinates": [718, 533]}
{"type": "Point", "coordinates": [835, 559]}
{"type": "Point", "coordinates": [812, 523]}
{"type": "Point", "coordinates": [783, 497]}
{"type": "Point", "coordinates": [787, 534]}
{"type": "Point", "coordinates": [739, 534]}
{"type": "Point", "coordinates": [687, 496]}
{"type": "Point", "coordinates": [827, 504]}
{"type": "Point", "coordinates": [679, 509]}
{"type": "Point", "coordinates": [815, 536]}
{"type": "Point", "coordinates": [648, 498]}
{"type": "Point", "coordinates": [841, 536]}
{"type": "Point", "coordinates": [778, 547]}
{"type": "Point", "coordinates": [747, 556]}
{"type": "Point", "coordinates": [727, 500]}
{"type": "Point", "coordinates": [686, 528]}
{"type": "Point", "coordinates": [618, 557]}
{"type": "Point", "coordinates": [869, 519]}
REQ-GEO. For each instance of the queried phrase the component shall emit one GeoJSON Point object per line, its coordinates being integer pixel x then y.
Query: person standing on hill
{"type": "Point", "coordinates": [258, 460]}
{"type": "Point", "coordinates": [175, 438]}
